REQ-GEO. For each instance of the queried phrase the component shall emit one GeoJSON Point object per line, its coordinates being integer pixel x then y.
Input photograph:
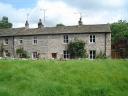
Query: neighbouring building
{"type": "Point", "coordinates": [51, 42]}
{"type": "Point", "coordinates": [120, 49]}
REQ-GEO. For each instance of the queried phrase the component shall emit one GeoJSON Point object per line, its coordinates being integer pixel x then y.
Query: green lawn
{"type": "Point", "coordinates": [64, 78]}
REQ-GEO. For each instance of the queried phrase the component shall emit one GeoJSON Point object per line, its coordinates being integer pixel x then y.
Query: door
{"type": "Point", "coordinates": [54, 55]}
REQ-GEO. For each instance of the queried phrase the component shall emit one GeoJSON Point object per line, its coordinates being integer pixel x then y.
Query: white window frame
{"type": "Point", "coordinates": [6, 41]}
{"type": "Point", "coordinates": [35, 41]}
{"type": "Point", "coordinates": [92, 54]}
{"type": "Point", "coordinates": [66, 39]}
{"type": "Point", "coordinates": [66, 54]}
{"type": "Point", "coordinates": [21, 39]}
{"type": "Point", "coordinates": [92, 38]}
{"type": "Point", "coordinates": [35, 55]}
{"type": "Point", "coordinates": [6, 52]}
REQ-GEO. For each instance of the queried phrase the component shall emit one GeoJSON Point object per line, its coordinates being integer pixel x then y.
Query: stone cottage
{"type": "Point", "coordinates": [51, 42]}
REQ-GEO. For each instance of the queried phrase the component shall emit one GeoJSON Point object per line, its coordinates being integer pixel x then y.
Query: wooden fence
{"type": "Point", "coordinates": [116, 54]}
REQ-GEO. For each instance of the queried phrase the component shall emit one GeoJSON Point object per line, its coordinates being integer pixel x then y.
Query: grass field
{"type": "Point", "coordinates": [64, 78]}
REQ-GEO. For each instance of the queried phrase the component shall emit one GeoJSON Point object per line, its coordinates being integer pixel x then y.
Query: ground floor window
{"type": "Point", "coordinates": [66, 54]}
{"type": "Point", "coordinates": [92, 54]}
{"type": "Point", "coordinates": [20, 55]}
{"type": "Point", "coordinates": [6, 53]}
{"type": "Point", "coordinates": [35, 55]}
{"type": "Point", "coordinates": [54, 55]}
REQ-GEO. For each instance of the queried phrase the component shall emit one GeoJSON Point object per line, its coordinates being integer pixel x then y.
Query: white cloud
{"type": "Point", "coordinates": [59, 11]}
{"type": "Point", "coordinates": [101, 17]}
{"type": "Point", "coordinates": [16, 16]}
{"type": "Point", "coordinates": [113, 3]}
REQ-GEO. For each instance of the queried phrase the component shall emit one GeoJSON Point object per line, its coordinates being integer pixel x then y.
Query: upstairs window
{"type": "Point", "coordinates": [66, 39]}
{"type": "Point", "coordinates": [21, 41]}
{"type": "Point", "coordinates": [92, 38]}
{"type": "Point", "coordinates": [34, 40]}
{"type": "Point", "coordinates": [6, 41]}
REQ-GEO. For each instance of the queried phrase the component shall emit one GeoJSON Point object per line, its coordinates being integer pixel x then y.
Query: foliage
{"type": "Point", "coordinates": [2, 50]}
{"type": "Point", "coordinates": [4, 23]}
{"type": "Point", "coordinates": [77, 49]}
{"type": "Point", "coordinates": [119, 30]}
{"type": "Point", "coordinates": [101, 56]}
{"type": "Point", "coordinates": [21, 53]}
{"type": "Point", "coordinates": [64, 78]}
{"type": "Point", "coordinates": [58, 25]}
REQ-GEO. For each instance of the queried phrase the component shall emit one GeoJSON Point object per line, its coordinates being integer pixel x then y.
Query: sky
{"type": "Point", "coordinates": [66, 12]}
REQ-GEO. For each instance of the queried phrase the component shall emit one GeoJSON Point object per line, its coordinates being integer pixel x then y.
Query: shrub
{"type": "Point", "coordinates": [76, 49]}
{"type": "Point", "coordinates": [101, 56]}
{"type": "Point", "coordinates": [22, 53]}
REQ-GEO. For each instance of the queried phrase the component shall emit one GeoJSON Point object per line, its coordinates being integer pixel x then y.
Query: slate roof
{"type": "Point", "coordinates": [101, 28]}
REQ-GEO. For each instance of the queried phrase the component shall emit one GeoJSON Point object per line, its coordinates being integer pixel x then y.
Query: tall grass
{"type": "Point", "coordinates": [64, 78]}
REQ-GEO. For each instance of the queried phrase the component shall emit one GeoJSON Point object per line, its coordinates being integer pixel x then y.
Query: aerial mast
{"type": "Point", "coordinates": [27, 16]}
{"type": "Point", "coordinates": [44, 12]}
{"type": "Point", "coordinates": [80, 18]}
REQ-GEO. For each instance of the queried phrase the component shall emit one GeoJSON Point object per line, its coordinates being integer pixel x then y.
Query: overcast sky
{"type": "Point", "coordinates": [64, 11]}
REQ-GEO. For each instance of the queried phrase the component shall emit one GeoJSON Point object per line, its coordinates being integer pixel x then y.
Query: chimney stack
{"type": "Point", "coordinates": [80, 21]}
{"type": "Point", "coordinates": [40, 25]}
{"type": "Point", "coordinates": [26, 24]}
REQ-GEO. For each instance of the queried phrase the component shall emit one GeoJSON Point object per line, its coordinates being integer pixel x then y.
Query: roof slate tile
{"type": "Point", "coordinates": [101, 28]}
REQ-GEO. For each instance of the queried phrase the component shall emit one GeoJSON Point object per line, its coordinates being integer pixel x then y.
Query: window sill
{"type": "Point", "coordinates": [34, 44]}
{"type": "Point", "coordinates": [92, 42]}
{"type": "Point", "coordinates": [5, 44]}
{"type": "Point", "coordinates": [20, 44]}
{"type": "Point", "coordinates": [65, 43]}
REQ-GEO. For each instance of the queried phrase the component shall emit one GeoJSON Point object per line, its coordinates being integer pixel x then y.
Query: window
{"type": "Point", "coordinates": [54, 55]}
{"type": "Point", "coordinates": [66, 54]}
{"type": "Point", "coordinates": [21, 41]}
{"type": "Point", "coordinates": [20, 55]}
{"type": "Point", "coordinates": [35, 55]}
{"type": "Point", "coordinates": [35, 40]}
{"type": "Point", "coordinates": [7, 54]}
{"type": "Point", "coordinates": [6, 41]}
{"type": "Point", "coordinates": [92, 38]}
{"type": "Point", "coordinates": [65, 38]}
{"type": "Point", "coordinates": [92, 54]}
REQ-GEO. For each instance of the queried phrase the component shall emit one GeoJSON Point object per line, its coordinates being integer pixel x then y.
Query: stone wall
{"type": "Point", "coordinates": [108, 45]}
{"type": "Point", "coordinates": [48, 44]}
{"type": "Point", "coordinates": [8, 46]}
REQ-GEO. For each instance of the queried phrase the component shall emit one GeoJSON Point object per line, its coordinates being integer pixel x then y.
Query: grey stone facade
{"type": "Point", "coordinates": [50, 41]}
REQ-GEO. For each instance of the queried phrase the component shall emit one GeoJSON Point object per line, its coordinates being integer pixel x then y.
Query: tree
{"type": "Point", "coordinates": [119, 30]}
{"type": "Point", "coordinates": [120, 37]}
{"type": "Point", "coordinates": [76, 49]}
{"type": "Point", "coordinates": [4, 23]}
{"type": "Point", "coordinates": [58, 25]}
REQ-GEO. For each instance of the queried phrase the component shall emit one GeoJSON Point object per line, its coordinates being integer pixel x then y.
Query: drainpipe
{"type": "Point", "coordinates": [105, 44]}
{"type": "Point", "coordinates": [13, 47]}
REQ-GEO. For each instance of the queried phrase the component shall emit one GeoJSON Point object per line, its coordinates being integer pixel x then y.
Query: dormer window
{"type": "Point", "coordinates": [66, 39]}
